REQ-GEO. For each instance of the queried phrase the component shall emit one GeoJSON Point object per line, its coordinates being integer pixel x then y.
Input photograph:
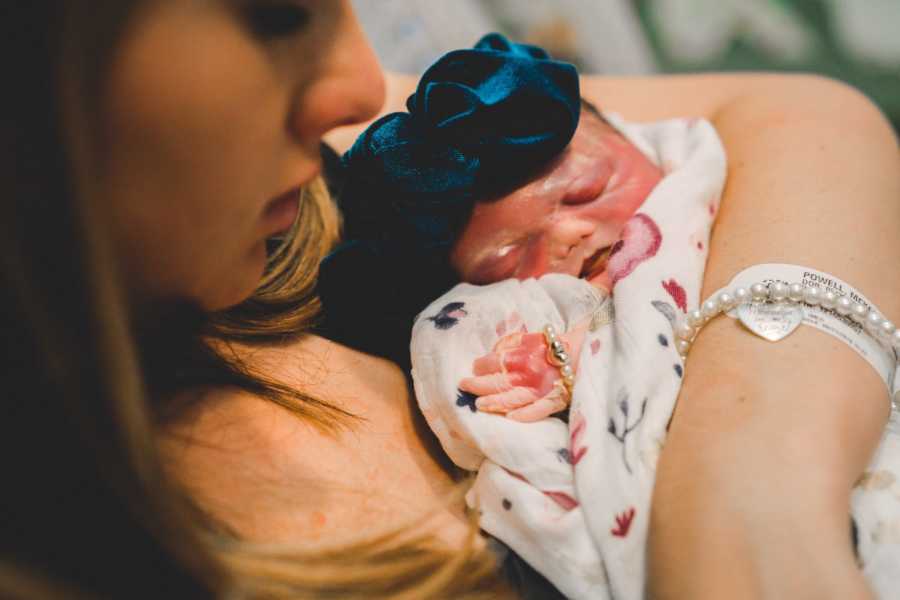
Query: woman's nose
{"type": "Point", "coordinates": [350, 86]}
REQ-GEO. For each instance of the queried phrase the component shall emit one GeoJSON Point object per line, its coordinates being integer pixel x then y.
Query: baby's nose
{"type": "Point", "coordinates": [567, 232]}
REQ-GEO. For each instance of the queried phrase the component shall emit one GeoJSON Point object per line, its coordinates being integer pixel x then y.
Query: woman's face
{"type": "Point", "coordinates": [566, 219]}
{"type": "Point", "coordinates": [215, 110]}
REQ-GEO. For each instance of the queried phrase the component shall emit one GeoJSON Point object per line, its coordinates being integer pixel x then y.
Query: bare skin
{"type": "Point", "coordinates": [515, 379]}
{"type": "Point", "coordinates": [274, 477]}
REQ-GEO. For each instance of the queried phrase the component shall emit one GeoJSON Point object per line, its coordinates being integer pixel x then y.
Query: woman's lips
{"type": "Point", "coordinates": [281, 212]}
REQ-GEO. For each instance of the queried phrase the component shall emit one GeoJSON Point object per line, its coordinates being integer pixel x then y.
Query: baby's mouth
{"type": "Point", "coordinates": [595, 263]}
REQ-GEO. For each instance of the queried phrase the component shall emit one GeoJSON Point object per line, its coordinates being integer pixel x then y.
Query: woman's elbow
{"type": "Point", "coordinates": [778, 99]}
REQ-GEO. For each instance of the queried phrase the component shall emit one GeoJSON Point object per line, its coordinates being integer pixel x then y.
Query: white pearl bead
{"type": "Point", "coordinates": [683, 331]}
{"type": "Point", "coordinates": [695, 318]}
{"type": "Point", "coordinates": [710, 308]}
{"type": "Point", "coordinates": [759, 291]}
{"type": "Point", "coordinates": [829, 299]}
{"type": "Point", "coordinates": [778, 291]}
{"type": "Point", "coordinates": [726, 301]}
{"type": "Point", "coordinates": [683, 347]}
{"type": "Point", "coordinates": [844, 305]}
{"type": "Point", "coordinates": [886, 329]}
{"type": "Point", "coordinates": [795, 292]}
{"type": "Point", "coordinates": [895, 340]}
{"type": "Point", "coordinates": [858, 312]}
{"type": "Point", "coordinates": [742, 295]}
{"type": "Point", "coordinates": [873, 321]}
{"type": "Point", "coordinates": [812, 295]}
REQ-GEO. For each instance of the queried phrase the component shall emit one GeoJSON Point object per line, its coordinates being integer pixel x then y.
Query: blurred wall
{"type": "Point", "coordinates": [857, 41]}
{"type": "Point", "coordinates": [600, 36]}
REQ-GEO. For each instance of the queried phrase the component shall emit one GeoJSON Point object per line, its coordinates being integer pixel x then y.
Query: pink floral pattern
{"type": "Point", "coordinates": [623, 523]}
{"type": "Point", "coordinates": [641, 239]}
{"type": "Point", "coordinates": [677, 292]}
{"type": "Point", "coordinates": [566, 501]}
{"type": "Point", "coordinates": [577, 426]}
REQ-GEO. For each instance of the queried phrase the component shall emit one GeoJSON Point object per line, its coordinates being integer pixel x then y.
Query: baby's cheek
{"type": "Point", "coordinates": [535, 261]}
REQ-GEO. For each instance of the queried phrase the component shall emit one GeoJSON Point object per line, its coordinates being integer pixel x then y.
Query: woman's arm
{"type": "Point", "coordinates": [752, 495]}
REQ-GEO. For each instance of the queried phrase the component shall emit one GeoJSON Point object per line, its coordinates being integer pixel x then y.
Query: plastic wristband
{"type": "Point", "coordinates": [843, 327]}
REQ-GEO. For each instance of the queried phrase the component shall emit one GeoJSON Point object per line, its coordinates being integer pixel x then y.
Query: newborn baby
{"type": "Point", "coordinates": [600, 229]}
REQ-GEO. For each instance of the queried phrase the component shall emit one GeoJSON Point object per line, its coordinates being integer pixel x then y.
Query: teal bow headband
{"type": "Point", "coordinates": [482, 121]}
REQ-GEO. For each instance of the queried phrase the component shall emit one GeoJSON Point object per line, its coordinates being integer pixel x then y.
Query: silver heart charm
{"type": "Point", "coordinates": [773, 322]}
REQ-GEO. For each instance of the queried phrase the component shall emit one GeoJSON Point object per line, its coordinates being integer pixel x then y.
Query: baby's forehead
{"type": "Point", "coordinates": [590, 114]}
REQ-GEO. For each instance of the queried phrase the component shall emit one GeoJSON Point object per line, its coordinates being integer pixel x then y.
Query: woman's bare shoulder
{"type": "Point", "coordinates": [272, 475]}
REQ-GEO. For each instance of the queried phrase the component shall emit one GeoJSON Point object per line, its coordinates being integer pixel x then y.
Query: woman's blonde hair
{"type": "Point", "coordinates": [86, 509]}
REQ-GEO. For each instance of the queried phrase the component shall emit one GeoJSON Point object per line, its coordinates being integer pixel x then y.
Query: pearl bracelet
{"type": "Point", "coordinates": [875, 325]}
{"type": "Point", "coordinates": [559, 358]}
{"type": "Point", "coordinates": [879, 328]}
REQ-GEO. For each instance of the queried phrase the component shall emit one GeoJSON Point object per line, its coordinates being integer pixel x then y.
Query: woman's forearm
{"type": "Point", "coordinates": [753, 485]}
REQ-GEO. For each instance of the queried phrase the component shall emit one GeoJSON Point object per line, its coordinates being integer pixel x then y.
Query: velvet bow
{"type": "Point", "coordinates": [481, 122]}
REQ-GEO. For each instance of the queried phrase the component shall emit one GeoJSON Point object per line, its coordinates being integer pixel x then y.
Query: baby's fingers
{"type": "Point", "coordinates": [540, 409]}
{"type": "Point", "coordinates": [508, 342]}
{"type": "Point", "coordinates": [504, 402]}
{"type": "Point", "coordinates": [485, 385]}
{"type": "Point", "coordinates": [490, 363]}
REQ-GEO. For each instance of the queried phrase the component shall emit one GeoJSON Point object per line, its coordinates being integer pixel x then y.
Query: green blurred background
{"type": "Point", "coordinates": [857, 41]}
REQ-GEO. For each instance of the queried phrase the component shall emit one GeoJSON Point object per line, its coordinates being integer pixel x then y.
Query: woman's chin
{"type": "Point", "coordinates": [237, 284]}
{"type": "Point", "coordinates": [229, 298]}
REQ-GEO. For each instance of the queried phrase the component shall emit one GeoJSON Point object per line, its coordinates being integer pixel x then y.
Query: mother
{"type": "Point", "coordinates": [151, 148]}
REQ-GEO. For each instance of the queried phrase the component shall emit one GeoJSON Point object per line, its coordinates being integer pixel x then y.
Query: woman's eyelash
{"type": "Point", "coordinates": [271, 20]}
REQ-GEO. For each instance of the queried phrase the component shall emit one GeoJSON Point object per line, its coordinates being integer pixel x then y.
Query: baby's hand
{"type": "Point", "coordinates": [516, 379]}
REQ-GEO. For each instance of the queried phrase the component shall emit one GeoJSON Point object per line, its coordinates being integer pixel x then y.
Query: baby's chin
{"type": "Point", "coordinates": [602, 281]}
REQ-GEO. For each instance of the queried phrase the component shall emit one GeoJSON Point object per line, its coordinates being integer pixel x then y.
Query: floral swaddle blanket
{"type": "Point", "coordinates": [573, 498]}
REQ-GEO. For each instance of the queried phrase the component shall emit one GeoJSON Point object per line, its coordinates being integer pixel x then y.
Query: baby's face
{"type": "Point", "coordinates": [566, 219]}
